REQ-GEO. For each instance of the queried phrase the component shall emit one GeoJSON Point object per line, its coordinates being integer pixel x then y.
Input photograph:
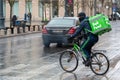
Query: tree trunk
{"type": "Point", "coordinates": [11, 3]}
{"type": "Point", "coordinates": [11, 16]}
{"type": "Point", "coordinates": [83, 6]}
{"type": "Point", "coordinates": [90, 11]}
{"type": "Point", "coordinates": [77, 6]}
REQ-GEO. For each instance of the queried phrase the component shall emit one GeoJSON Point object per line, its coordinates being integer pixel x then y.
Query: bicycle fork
{"type": "Point", "coordinates": [79, 54]}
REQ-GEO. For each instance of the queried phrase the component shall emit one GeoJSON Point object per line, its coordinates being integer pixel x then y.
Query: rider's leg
{"type": "Point", "coordinates": [84, 50]}
{"type": "Point", "coordinates": [86, 47]}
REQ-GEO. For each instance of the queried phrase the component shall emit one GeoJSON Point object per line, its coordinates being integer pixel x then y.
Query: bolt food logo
{"type": "Point", "coordinates": [107, 21]}
{"type": "Point", "coordinates": [96, 25]}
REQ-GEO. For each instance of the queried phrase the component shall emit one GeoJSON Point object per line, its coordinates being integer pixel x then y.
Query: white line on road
{"type": "Point", "coordinates": [112, 72]}
{"type": "Point", "coordinates": [7, 70]}
{"type": "Point", "coordinates": [61, 74]}
{"type": "Point", "coordinates": [37, 71]}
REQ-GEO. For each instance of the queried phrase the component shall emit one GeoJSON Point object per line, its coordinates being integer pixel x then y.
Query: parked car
{"type": "Point", "coordinates": [58, 30]}
{"type": "Point", "coordinates": [115, 16]}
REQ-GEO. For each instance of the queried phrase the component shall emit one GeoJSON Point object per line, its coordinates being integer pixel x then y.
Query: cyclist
{"type": "Point", "coordinates": [89, 38]}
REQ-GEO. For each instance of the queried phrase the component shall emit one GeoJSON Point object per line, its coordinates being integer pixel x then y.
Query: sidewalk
{"type": "Point", "coordinates": [7, 23]}
{"type": "Point", "coordinates": [16, 31]}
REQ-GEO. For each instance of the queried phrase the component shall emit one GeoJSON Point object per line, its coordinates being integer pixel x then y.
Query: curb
{"type": "Point", "coordinates": [19, 31]}
{"type": "Point", "coordinates": [21, 34]}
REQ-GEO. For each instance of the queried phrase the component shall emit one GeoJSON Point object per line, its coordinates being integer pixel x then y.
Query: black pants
{"type": "Point", "coordinates": [88, 44]}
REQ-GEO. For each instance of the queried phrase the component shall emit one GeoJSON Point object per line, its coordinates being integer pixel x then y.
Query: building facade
{"type": "Point", "coordinates": [47, 9]}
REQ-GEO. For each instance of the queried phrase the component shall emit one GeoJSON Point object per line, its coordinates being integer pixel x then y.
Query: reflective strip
{"type": "Point", "coordinates": [85, 55]}
{"type": "Point", "coordinates": [97, 18]}
{"type": "Point", "coordinates": [86, 42]}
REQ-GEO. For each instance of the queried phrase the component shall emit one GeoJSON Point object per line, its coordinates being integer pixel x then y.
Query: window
{"type": "Point", "coordinates": [28, 6]}
{"type": "Point", "coordinates": [16, 8]}
{"type": "Point", "coordinates": [4, 8]}
{"type": "Point", "coordinates": [61, 22]}
{"type": "Point", "coordinates": [55, 8]}
{"type": "Point", "coordinates": [40, 9]}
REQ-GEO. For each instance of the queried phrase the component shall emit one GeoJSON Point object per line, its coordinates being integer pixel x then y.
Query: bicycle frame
{"type": "Point", "coordinates": [76, 48]}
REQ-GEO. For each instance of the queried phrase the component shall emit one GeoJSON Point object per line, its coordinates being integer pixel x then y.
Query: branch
{"type": "Point", "coordinates": [77, 3]}
{"type": "Point", "coordinates": [90, 3]}
{"type": "Point", "coordinates": [62, 3]}
{"type": "Point", "coordinates": [11, 2]}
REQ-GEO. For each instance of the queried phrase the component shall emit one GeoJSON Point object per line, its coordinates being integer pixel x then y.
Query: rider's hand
{"type": "Point", "coordinates": [70, 39]}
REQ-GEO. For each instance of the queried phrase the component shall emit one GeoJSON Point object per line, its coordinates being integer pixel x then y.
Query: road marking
{"type": "Point", "coordinates": [8, 70]}
{"type": "Point", "coordinates": [37, 71]}
{"type": "Point", "coordinates": [111, 74]}
{"type": "Point", "coordinates": [61, 74]}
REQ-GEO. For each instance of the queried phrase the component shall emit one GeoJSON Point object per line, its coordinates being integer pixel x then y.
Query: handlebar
{"type": "Point", "coordinates": [78, 39]}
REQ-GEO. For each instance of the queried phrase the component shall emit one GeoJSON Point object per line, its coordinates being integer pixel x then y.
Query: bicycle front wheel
{"type": "Point", "coordinates": [99, 64]}
{"type": "Point", "coordinates": [68, 61]}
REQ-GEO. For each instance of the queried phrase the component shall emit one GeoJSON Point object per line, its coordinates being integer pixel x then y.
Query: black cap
{"type": "Point", "coordinates": [81, 14]}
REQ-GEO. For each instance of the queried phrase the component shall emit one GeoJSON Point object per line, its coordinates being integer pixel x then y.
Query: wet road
{"type": "Point", "coordinates": [24, 49]}
{"type": "Point", "coordinates": [25, 58]}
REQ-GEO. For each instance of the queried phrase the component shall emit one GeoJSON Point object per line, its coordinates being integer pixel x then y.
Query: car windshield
{"type": "Point", "coordinates": [61, 22]}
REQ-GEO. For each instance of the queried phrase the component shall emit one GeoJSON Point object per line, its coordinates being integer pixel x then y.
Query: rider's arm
{"type": "Point", "coordinates": [78, 31]}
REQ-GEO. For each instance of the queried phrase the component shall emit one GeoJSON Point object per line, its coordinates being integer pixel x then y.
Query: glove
{"type": "Point", "coordinates": [70, 39]}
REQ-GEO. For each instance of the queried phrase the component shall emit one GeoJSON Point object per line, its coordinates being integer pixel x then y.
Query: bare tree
{"type": "Point", "coordinates": [118, 3]}
{"type": "Point", "coordinates": [102, 2]}
{"type": "Point", "coordinates": [28, 5]}
{"type": "Point", "coordinates": [29, 11]}
{"type": "Point", "coordinates": [83, 5]}
{"type": "Point", "coordinates": [77, 4]}
{"type": "Point", "coordinates": [11, 3]}
{"type": "Point", "coordinates": [61, 3]}
{"type": "Point", "coordinates": [90, 4]}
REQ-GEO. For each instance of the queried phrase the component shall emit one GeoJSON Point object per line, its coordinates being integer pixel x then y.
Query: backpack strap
{"type": "Point", "coordinates": [86, 30]}
{"type": "Point", "coordinates": [89, 31]}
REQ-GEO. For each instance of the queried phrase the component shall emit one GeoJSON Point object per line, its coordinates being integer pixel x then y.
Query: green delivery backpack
{"type": "Point", "coordinates": [100, 24]}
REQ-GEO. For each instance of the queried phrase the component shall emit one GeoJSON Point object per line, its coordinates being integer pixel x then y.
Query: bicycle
{"type": "Point", "coordinates": [69, 59]}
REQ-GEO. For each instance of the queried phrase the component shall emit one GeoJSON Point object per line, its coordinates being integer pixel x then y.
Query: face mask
{"type": "Point", "coordinates": [81, 19]}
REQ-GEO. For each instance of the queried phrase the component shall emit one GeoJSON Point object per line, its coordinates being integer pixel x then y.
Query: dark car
{"type": "Point", "coordinates": [58, 30]}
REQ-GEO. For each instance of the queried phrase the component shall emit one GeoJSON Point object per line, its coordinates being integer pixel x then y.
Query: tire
{"type": "Point", "coordinates": [59, 44]}
{"type": "Point", "coordinates": [99, 64]}
{"type": "Point", "coordinates": [68, 61]}
{"type": "Point", "coordinates": [46, 44]}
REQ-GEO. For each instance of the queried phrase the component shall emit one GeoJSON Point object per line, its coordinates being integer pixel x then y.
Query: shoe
{"type": "Point", "coordinates": [87, 62]}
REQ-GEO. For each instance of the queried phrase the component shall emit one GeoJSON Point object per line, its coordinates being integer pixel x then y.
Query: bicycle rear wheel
{"type": "Point", "coordinates": [68, 61]}
{"type": "Point", "coordinates": [99, 64]}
